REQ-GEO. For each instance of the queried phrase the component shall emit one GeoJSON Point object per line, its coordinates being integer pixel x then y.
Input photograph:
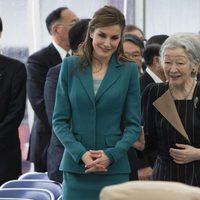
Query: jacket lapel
{"type": "Point", "coordinates": [85, 76]}
{"type": "Point", "coordinates": [166, 106]}
{"type": "Point", "coordinates": [111, 76]}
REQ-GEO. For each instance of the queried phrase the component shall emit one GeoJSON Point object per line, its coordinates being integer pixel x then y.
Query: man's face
{"type": "Point", "coordinates": [133, 52]}
{"type": "Point", "coordinates": [69, 18]}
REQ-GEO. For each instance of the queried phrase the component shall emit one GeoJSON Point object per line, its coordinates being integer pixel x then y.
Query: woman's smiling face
{"type": "Point", "coordinates": [177, 66]}
{"type": "Point", "coordinates": [105, 41]}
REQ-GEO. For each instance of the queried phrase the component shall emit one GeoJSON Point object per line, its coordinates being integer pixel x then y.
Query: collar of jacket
{"type": "Point", "coordinates": [110, 78]}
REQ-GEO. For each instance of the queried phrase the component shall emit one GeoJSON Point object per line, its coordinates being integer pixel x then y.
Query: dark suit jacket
{"type": "Point", "coordinates": [38, 65]}
{"type": "Point", "coordinates": [55, 150]}
{"type": "Point", "coordinates": [12, 107]}
{"type": "Point", "coordinates": [84, 121]}
{"type": "Point", "coordinates": [145, 79]}
{"type": "Point", "coordinates": [145, 160]}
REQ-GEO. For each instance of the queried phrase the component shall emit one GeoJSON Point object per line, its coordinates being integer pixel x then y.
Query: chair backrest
{"type": "Point", "coordinates": [52, 186]}
{"type": "Point", "coordinates": [151, 190]}
{"type": "Point", "coordinates": [34, 175]}
{"type": "Point", "coordinates": [60, 197]}
{"type": "Point", "coordinates": [26, 193]}
{"type": "Point", "coordinates": [14, 199]}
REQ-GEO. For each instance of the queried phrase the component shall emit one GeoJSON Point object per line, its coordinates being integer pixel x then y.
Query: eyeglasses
{"type": "Point", "coordinates": [133, 54]}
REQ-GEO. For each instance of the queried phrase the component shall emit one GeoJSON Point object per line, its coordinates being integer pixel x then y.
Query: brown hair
{"type": "Point", "coordinates": [105, 16]}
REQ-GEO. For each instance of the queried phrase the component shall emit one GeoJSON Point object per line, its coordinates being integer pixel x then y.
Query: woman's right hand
{"type": "Point", "coordinates": [87, 158]}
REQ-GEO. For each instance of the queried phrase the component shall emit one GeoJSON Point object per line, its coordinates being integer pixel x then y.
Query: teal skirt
{"type": "Point", "coordinates": [88, 186]}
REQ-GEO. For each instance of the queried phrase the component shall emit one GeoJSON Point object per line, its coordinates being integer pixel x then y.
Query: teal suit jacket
{"type": "Point", "coordinates": [83, 121]}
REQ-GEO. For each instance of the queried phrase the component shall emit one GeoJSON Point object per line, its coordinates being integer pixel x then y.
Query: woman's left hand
{"type": "Point", "coordinates": [100, 164]}
{"type": "Point", "coordinates": [185, 154]}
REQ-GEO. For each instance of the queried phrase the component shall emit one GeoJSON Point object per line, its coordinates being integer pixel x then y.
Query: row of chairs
{"type": "Point", "coordinates": [31, 186]}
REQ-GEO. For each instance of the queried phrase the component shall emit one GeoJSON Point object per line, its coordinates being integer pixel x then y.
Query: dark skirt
{"type": "Point", "coordinates": [88, 186]}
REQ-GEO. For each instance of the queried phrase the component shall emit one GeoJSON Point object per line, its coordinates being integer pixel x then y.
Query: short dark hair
{"type": "Point", "coordinates": [77, 34]}
{"type": "Point", "coordinates": [1, 25]}
{"type": "Point", "coordinates": [54, 16]}
{"type": "Point", "coordinates": [157, 39]}
{"type": "Point", "coordinates": [131, 27]}
{"type": "Point", "coordinates": [150, 52]}
{"type": "Point", "coordinates": [134, 39]}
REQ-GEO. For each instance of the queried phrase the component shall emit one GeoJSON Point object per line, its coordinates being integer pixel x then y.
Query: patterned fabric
{"type": "Point", "coordinates": [161, 135]}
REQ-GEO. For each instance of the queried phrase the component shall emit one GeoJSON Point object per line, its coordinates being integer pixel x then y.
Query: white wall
{"type": "Point", "coordinates": [170, 16]}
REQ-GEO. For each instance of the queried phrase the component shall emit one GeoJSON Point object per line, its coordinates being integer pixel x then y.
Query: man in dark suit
{"type": "Point", "coordinates": [12, 107]}
{"type": "Point", "coordinates": [154, 71]}
{"type": "Point", "coordinates": [153, 74]}
{"type": "Point", "coordinates": [58, 23]}
{"type": "Point", "coordinates": [55, 151]}
{"type": "Point", "coordinates": [133, 47]}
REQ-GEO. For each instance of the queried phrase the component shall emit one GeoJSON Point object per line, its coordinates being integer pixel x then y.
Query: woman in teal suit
{"type": "Point", "coordinates": [94, 90]}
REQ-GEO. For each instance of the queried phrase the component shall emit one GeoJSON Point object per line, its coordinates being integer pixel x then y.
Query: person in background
{"type": "Point", "coordinates": [134, 30]}
{"type": "Point", "coordinates": [94, 89]}
{"type": "Point", "coordinates": [133, 48]}
{"type": "Point", "coordinates": [154, 71]}
{"type": "Point", "coordinates": [157, 39]}
{"type": "Point", "coordinates": [55, 150]}
{"type": "Point", "coordinates": [58, 23]}
{"type": "Point", "coordinates": [12, 107]}
{"type": "Point", "coordinates": [170, 113]}
{"type": "Point", "coordinates": [77, 34]}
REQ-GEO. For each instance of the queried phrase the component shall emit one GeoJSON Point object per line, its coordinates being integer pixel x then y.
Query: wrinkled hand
{"type": "Point", "coordinates": [145, 173]}
{"type": "Point", "coordinates": [140, 142]}
{"type": "Point", "coordinates": [185, 154]}
{"type": "Point", "coordinates": [99, 163]}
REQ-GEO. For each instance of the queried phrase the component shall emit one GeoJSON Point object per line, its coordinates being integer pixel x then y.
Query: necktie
{"type": "Point", "coordinates": [67, 55]}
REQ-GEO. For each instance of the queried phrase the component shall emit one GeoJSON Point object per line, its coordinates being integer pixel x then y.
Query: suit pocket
{"type": "Point", "coordinates": [111, 140]}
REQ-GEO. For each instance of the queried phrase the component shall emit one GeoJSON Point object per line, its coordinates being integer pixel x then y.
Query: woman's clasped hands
{"type": "Point", "coordinates": [95, 161]}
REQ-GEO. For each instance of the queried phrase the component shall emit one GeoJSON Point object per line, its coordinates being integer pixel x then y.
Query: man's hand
{"type": "Point", "coordinates": [145, 173]}
{"type": "Point", "coordinates": [140, 142]}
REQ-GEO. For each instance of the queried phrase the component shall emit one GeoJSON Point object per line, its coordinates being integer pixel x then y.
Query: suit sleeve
{"type": "Point", "coordinates": [148, 118]}
{"type": "Point", "coordinates": [17, 101]}
{"type": "Point", "coordinates": [62, 116]}
{"type": "Point", "coordinates": [50, 92]}
{"type": "Point", "coordinates": [35, 87]}
{"type": "Point", "coordinates": [132, 118]}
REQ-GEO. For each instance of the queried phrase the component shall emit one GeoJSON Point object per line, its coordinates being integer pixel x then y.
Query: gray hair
{"type": "Point", "coordinates": [189, 42]}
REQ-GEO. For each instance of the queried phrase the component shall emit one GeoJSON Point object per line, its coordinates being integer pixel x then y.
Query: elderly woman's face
{"type": "Point", "coordinates": [177, 66]}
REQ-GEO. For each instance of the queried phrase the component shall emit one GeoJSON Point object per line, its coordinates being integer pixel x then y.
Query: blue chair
{"type": "Point", "coordinates": [26, 193]}
{"type": "Point", "coordinates": [14, 199]}
{"type": "Point", "coordinates": [34, 175]}
{"type": "Point", "coordinates": [59, 198]}
{"type": "Point", "coordinates": [54, 187]}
